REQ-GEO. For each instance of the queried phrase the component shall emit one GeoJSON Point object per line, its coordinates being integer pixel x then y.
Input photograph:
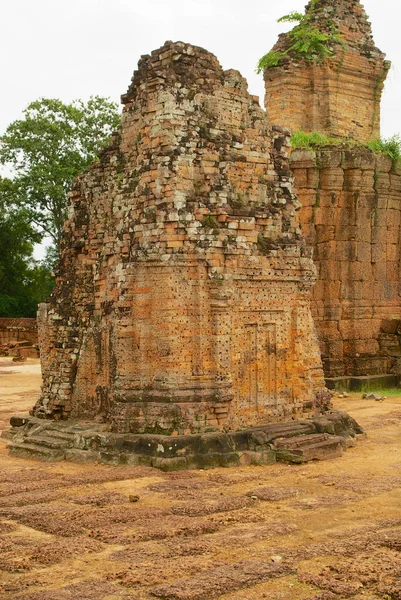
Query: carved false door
{"type": "Point", "coordinates": [258, 372]}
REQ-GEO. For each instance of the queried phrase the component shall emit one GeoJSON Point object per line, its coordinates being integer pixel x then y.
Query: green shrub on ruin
{"type": "Point", "coordinates": [308, 140]}
{"type": "Point", "coordinates": [308, 41]}
{"type": "Point", "coordinates": [390, 147]}
{"type": "Point", "coordinates": [271, 59]}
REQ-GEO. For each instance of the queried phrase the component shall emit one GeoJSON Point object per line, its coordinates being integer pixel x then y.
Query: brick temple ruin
{"type": "Point", "coordinates": [180, 329]}
{"type": "Point", "coordinates": [183, 295]}
{"type": "Point", "coordinates": [350, 196]}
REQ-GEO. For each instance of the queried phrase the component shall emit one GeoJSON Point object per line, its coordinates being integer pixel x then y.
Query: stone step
{"type": "Point", "coordinates": [288, 430]}
{"type": "Point", "coordinates": [316, 448]}
{"type": "Point", "coordinates": [49, 442]}
{"type": "Point", "coordinates": [289, 426]}
{"type": "Point", "coordinates": [60, 435]}
{"type": "Point", "coordinates": [289, 433]}
{"type": "Point", "coordinates": [35, 451]}
{"type": "Point", "coordinates": [301, 440]}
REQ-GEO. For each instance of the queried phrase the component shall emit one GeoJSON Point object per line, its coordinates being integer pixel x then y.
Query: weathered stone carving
{"type": "Point", "coordinates": [339, 95]}
{"type": "Point", "coordinates": [182, 301]}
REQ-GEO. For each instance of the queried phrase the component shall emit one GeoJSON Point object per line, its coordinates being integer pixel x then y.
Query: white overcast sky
{"type": "Point", "coordinates": [77, 48]}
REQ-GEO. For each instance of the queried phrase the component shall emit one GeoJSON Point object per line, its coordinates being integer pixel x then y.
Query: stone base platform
{"type": "Point", "coordinates": [367, 383]}
{"type": "Point", "coordinates": [296, 441]}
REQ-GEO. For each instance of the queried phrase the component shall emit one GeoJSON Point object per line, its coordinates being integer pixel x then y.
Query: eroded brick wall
{"type": "Point", "coordinates": [182, 300]}
{"type": "Point", "coordinates": [339, 95]}
{"type": "Point", "coordinates": [351, 208]}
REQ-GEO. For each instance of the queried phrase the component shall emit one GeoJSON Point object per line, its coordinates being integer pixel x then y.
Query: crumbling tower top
{"type": "Point", "coordinates": [331, 84]}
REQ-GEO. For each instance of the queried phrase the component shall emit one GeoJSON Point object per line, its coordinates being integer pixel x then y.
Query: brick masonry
{"type": "Point", "coordinates": [182, 301]}
{"type": "Point", "coordinates": [341, 95]}
{"type": "Point", "coordinates": [351, 214]}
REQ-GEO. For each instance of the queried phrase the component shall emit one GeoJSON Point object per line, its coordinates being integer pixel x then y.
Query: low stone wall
{"type": "Point", "coordinates": [300, 441]}
{"type": "Point", "coordinates": [16, 330]}
{"type": "Point", "coordinates": [351, 213]}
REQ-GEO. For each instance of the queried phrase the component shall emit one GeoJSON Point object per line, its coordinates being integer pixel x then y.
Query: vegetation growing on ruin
{"type": "Point", "coordinates": [210, 222]}
{"type": "Point", "coordinates": [271, 59]}
{"type": "Point", "coordinates": [308, 140]}
{"type": "Point", "coordinates": [308, 41]}
{"type": "Point", "coordinates": [390, 147]}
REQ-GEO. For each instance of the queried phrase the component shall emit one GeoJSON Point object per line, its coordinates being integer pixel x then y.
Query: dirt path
{"type": "Point", "coordinates": [322, 531]}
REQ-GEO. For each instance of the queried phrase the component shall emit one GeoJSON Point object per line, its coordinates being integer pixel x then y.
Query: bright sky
{"type": "Point", "coordinates": [79, 48]}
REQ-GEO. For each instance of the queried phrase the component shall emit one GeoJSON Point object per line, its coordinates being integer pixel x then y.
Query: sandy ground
{"type": "Point", "coordinates": [321, 531]}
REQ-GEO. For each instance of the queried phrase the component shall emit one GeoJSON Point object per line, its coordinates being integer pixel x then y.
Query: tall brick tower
{"type": "Point", "coordinates": [338, 94]}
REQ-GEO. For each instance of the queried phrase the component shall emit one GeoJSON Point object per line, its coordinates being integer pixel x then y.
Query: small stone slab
{"type": "Point", "coordinates": [315, 447]}
{"type": "Point", "coordinates": [18, 420]}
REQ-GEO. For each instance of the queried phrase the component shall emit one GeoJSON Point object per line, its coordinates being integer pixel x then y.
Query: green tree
{"type": "Point", "coordinates": [43, 152]}
{"type": "Point", "coordinates": [23, 283]}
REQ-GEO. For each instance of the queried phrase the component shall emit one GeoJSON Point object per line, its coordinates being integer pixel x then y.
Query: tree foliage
{"type": "Point", "coordinates": [23, 283]}
{"type": "Point", "coordinates": [41, 155]}
{"type": "Point", "coordinates": [44, 152]}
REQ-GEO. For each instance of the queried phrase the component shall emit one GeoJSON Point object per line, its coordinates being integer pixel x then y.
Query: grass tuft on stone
{"type": "Point", "coordinates": [390, 147]}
